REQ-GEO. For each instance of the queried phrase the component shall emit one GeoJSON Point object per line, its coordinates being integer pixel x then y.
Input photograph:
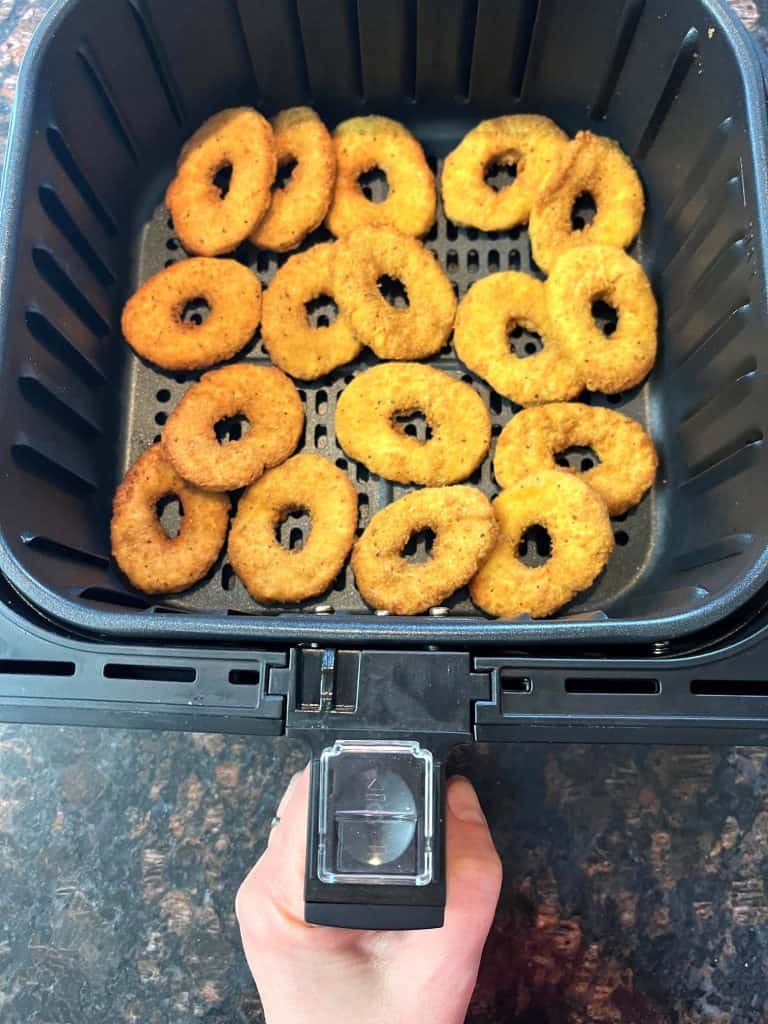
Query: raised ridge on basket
{"type": "Point", "coordinates": [74, 295]}
{"type": "Point", "coordinates": [57, 549]}
{"type": "Point", "coordinates": [69, 165]}
{"type": "Point", "coordinates": [726, 547]}
{"type": "Point", "coordinates": [675, 77]}
{"type": "Point", "coordinates": [158, 58]}
{"type": "Point", "coordinates": [625, 34]}
{"type": "Point", "coordinates": [87, 366]}
{"type": "Point", "coordinates": [64, 470]}
{"type": "Point", "coordinates": [76, 412]}
{"type": "Point", "coordinates": [60, 216]}
{"type": "Point", "coordinates": [103, 91]}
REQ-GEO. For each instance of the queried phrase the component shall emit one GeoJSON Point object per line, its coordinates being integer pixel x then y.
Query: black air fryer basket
{"type": "Point", "coordinates": [669, 643]}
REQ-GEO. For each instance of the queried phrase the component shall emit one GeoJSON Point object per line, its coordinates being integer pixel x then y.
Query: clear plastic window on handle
{"type": "Point", "coordinates": [376, 813]}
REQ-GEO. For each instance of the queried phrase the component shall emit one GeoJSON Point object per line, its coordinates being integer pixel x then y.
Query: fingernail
{"type": "Point", "coordinates": [463, 802]}
{"type": "Point", "coordinates": [287, 794]}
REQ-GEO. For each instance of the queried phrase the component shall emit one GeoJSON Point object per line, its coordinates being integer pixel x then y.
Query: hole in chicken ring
{"type": "Point", "coordinates": [302, 140]}
{"type": "Point", "coordinates": [585, 277]}
{"type": "Point", "coordinates": [529, 145]}
{"type": "Point", "coordinates": [363, 144]}
{"type": "Point", "coordinates": [507, 302]}
{"type": "Point", "coordinates": [465, 531]}
{"type": "Point", "coordinates": [223, 179]}
{"type": "Point", "coordinates": [273, 573]}
{"type": "Point", "coordinates": [627, 457]}
{"type": "Point", "coordinates": [413, 331]}
{"type": "Point", "coordinates": [597, 167]}
{"type": "Point", "coordinates": [271, 406]}
{"type": "Point", "coordinates": [581, 537]}
{"type": "Point", "coordinates": [155, 325]}
{"type": "Point", "coordinates": [369, 424]}
{"type": "Point", "coordinates": [152, 560]}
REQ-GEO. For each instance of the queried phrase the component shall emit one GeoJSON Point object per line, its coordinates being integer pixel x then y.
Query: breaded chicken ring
{"type": "Point", "coordinates": [595, 273]}
{"type": "Point", "coordinates": [491, 308]}
{"type": "Point", "coordinates": [532, 144]}
{"type": "Point", "coordinates": [270, 403]}
{"type": "Point", "coordinates": [370, 253]}
{"type": "Point", "coordinates": [152, 323]}
{"type": "Point", "coordinates": [300, 207]}
{"type": "Point", "coordinates": [269, 571]}
{"type": "Point", "coordinates": [465, 532]}
{"type": "Point", "coordinates": [367, 430]}
{"type": "Point", "coordinates": [207, 222]}
{"type": "Point", "coordinates": [582, 540]}
{"type": "Point", "coordinates": [153, 561]}
{"type": "Point", "coordinates": [597, 166]}
{"type": "Point", "coordinates": [293, 344]}
{"type": "Point", "coordinates": [532, 439]}
{"type": "Point", "coordinates": [364, 143]}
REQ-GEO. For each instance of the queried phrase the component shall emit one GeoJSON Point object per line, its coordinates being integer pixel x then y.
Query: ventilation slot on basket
{"type": "Point", "coordinates": [512, 683]}
{"type": "Point", "coordinates": [100, 86]}
{"type": "Point", "coordinates": [60, 216]}
{"type": "Point", "coordinates": [613, 687]}
{"type": "Point", "coordinates": [158, 58]}
{"type": "Point", "coordinates": [245, 676]}
{"type": "Point", "coordinates": [630, 16]}
{"type": "Point", "coordinates": [65, 288]}
{"type": "Point", "coordinates": [669, 93]}
{"type": "Point", "coordinates": [68, 164]}
{"type": "Point", "coordinates": [153, 673]}
{"type": "Point", "coordinates": [56, 549]}
{"type": "Point", "coordinates": [726, 688]}
{"type": "Point", "coordinates": [51, 338]}
{"type": "Point", "coordinates": [14, 667]}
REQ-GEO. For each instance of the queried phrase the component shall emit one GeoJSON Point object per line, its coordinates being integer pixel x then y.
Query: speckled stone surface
{"type": "Point", "coordinates": [635, 877]}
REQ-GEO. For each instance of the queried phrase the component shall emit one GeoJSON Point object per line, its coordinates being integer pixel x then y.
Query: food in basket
{"type": "Point", "coordinates": [270, 404]}
{"type": "Point", "coordinates": [577, 522]}
{"type": "Point", "coordinates": [153, 561]}
{"type": "Point", "coordinates": [363, 144]}
{"type": "Point", "coordinates": [152, 318]}
{"type": "Point", "coordinates": [493, 307]}
{"type": "Point", "coordinates": [584, 276]}
{"type": "Point", "coordinates": [416, 331]}
{"type": "Point", "coordinates": [595, 166]}
{"type": "Point", "coordinates": [532, 144]}
{"type": "Point", "coordinates": [368, 430]}
{"type": "Point", "coordinates": [465, 530]}
{"type": "Point", "coordinates": [293, 344]}
{"type": "Point", "coordinates": [627, 456]}
{"type": "Point", "coordinates": [300, 138]}
{"type": "Point", "coordinates": [212, 219]}
{"type": "Point", "coordinates": [272, 572]}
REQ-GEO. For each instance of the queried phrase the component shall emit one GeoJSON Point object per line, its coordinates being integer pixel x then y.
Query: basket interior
{"type": "Point", "coordinates": [115, 92]}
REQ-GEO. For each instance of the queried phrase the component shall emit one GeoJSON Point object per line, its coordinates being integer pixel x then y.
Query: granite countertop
{"type": "Point", "coordinates": [635, 877]}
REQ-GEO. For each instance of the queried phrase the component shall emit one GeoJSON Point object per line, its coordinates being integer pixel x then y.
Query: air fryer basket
{"type": "Point", "coordinates": [109, 92]}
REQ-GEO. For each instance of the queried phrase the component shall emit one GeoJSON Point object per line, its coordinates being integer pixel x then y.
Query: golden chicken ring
{"type": "Point", "coordinates": [367, 430]}
{"type": "Point", "coordinates": [271, 405]}
{"type": "Point", "coordinates": [365, 143]}
{"type": "Point", "coordinates": [596, 166]}
{"type": "Point", "coordinates": [153, 561]}
{"type": "Point", "coordinates": [485, 315]}
{"type": "Point", "coordinates": [365, 256]}
{"type": "Point", "coordinates": [271, 572]}
{"type": "Point", "coordinates": [533, 144]}
{"type": "Point", "coordinates": [300, 207]}
{"type": "Point", "coordinates": [304, 351]}
{"type": "Point", "coordinates": [532, 439]}
{"type": "Point", "coordinates": [152, 319]}
{"type": "Point", "coordinates": [582, 540]}
{"type": "Point", "coordinates": [465, 531]}
{"type": "Point", "coordinates": [207, 222]}
{"type": "Point", "coordinates": [594, 273]}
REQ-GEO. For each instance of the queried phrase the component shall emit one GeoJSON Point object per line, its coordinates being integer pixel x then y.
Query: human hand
{"type": "Point", "coordinates": [323, 975]}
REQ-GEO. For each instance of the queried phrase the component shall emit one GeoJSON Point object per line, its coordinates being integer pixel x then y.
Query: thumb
{"type": "Point", "coordinates": [473, 867]}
